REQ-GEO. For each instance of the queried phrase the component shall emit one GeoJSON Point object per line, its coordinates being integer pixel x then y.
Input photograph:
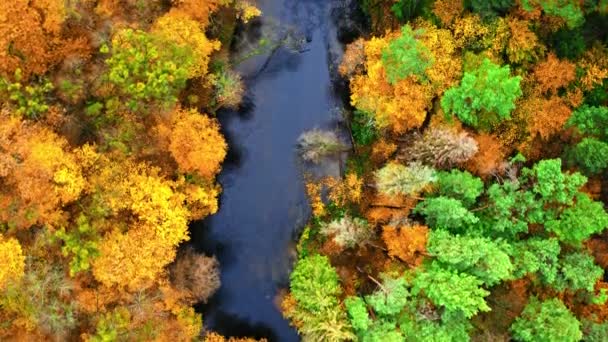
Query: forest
{"type": "Point", "coordinates": [472, 205]}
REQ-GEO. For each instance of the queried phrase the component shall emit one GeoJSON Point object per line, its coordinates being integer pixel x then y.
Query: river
{"type": "Point", "coordinates": [263, 206]}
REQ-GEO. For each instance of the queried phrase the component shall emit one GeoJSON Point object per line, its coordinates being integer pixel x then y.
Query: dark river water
{"type": "Point", "coordinates": [263, 206]}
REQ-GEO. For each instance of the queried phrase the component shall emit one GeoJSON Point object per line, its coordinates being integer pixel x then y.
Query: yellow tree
{"type": "Point", "coordinates": [12, 261]}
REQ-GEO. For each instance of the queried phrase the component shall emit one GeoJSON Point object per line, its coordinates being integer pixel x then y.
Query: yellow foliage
{"type": "Point", "coordinates": [595, 64]}
{"type": "Point", "coordinates": [12, 261]}
{"type": "Point", "coordinates": [199, 10]}
{"type": "Point", "coordinates": [446, 69]}
{"type": "Point", "coordinates": [344, 191]}
{"type": "Point", "coordinates": [196, 143]}
{"type": "Point", "coordinates": [247, 11]}
{"type": "Point", "coordinates": [201, 200]}
{"type": "Point", "coordinates": [177, 27]}
{"type": "Point", "coordinates": [133, 260]}
{"type": "Point", "coordinates": [313, 190]}
{"type": "Point", "coordinates": [382, 150]}
{"type": "Point", "coordinates": [468, 30]}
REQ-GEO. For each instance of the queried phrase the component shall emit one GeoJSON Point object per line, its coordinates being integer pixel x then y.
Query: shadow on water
{"type": "Point", "coordinates": [263, 205]}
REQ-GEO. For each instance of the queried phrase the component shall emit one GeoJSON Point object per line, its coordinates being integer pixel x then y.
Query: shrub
{"type": "Point", "coordinates": [316, 144]}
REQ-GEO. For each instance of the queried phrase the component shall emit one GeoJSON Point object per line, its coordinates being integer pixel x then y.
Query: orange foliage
{"type": "Point", "coordinates": [468, 30]}
{"type": "Point", "coordinates": [382, 150]}
{"type": "Point", "coordinates": [553, 74]}
{"type": "Point", "coordinates": [489, 159]}
{"type": "Point", "coordinates": [523, 45]}
{"type": "Point", "coordinates": [595, 64]}
{"type": "Point", "coordinates": [196, 143]}
{"type": "Point", "coordinates": [447, 10]}
{"type": "Point", "coordinates": [199, 10]}
{"type": "Point", "coordinates": [313, 190]}
{"type": "Point", "coordinates": [407, 243]}
{"type": "Point", "coordinates": [346, 190]}
{"type": "Point", "coordinates": [353, 59]}
{"type": "Point", "coordinates": [29, 37]}
{"type": "Point", "coordinates": [38, 172]}
{"type": "Point", "coordinates": [545, 116]}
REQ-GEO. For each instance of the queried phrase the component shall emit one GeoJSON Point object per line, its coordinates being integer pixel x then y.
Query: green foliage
{"type": "Point", "coordinates": [506, 211]}
{"type": "Point", "coordinates": [590, 121]}
{"type": "Point", "coordinates": [81, 244]}
{"type": "Point", "coordinates": [28, 100]}
{"type": "Point", "coordinates": [551, 185]}
{"type": "Point", "coordinates": [112, 325]}
{"type": "Point", "coordinates": [595, 332]}
{"type": "Point", "coordinates": [537, 256]}
{"type": "Point", "coordinates": [363, 128]}
{"type": "Point", "coordinates": [484, 258]}
{"type": "Point", "coordinates": [314, 283]}
{"type": "Point", "coordinates": [568, 43]}
{"type": "Point", "coordinates": [484, 97]}
{"type": "Point", "coordinates": [577, 223]}
{"type": "Point", "coordinates": [457, 292]}
{"type": "Point", "coordinates": [546, 321]}
{"type": "Point", "coordinates": [578, 271]}
{"type": "Point", "coordinates": [397, 179]}
{"type": "Point", "coordinates": [453, 327]}
{"type": "Point", "coordinates": [391, 298]}
{"type": "Point", "coordinates": [406, 10]}
{"type": "Point", "coordinates": [144, 68]}
{"type": "Point", "coordinates": [491, 8]}
{"type": "Point", "coordinates": [406, 56]}
{"type": "Point", "coordinates": [460, 185]}
{"type": "Point", "coordinates": [357, 313]}
{"type": "Point", "coordinates": [447, 213]}
{"type": "Point", "coordinates": [591, 155]}
{"type": "Point", "coordinates": [568, 10]}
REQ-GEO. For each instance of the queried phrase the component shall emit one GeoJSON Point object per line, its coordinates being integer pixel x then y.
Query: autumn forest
{"type": "Point", "coordinates": [469, 201]}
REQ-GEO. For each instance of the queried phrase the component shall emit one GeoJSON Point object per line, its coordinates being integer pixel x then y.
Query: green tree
{"type": "Point", "coordinates": [357, 313]}
{"type": "Point", "coordinates": [590, 121]}
{"type": "Point", "coordinates": [485, 96]}
{"type": "Point", "coordinates": [406, 56]}
{"type": "Point", "coordinates": [484, 258]}
{"type": "Point", "coordinates": [568, 43]}
{"type": "Point", "coordinates": [537, 256]}
{"type": "Point", "coordinates": [578, 271]}
{"type": "Point", "coordinates": [569, 10]}
{"type": "Point", "coordinates": [314, 283]}
{"type": "Point", "coordinates": [577, 223]}
{"type": "Point", "coordinates": [591, 155]}
{"type": "Point", "coordinates": [546, 321]}
{"type": "Point", "coordinates": [391, 298]}
{"type": "Point", "coordinates": [491, 8]}
{"type": "Point", "coordinates": [447, 213]}
{"type": "Point", "coordinates": [81, 243]}
{"type": "Point", "coordinates": [460, 185]}
{"type": "Point", "coordinates": [457, 292]}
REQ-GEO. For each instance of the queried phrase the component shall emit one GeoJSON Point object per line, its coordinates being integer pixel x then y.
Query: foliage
{"type": "Point", "coordinates": [111, 325]}
{"type": "Point", "coordinates": [13, 261]}
{"type": "Point", "coordinates": [577, 223]}
{"type": "Point", "coordinates": [363, 128]}
{"type": "Point", "coordinates": [347, 231]}
{"type": "Point", "coordinates": [317, 144]}
{"type": "Point", "coordinates": [546, 321]}
{"type": "Point", "coordinates": [406, 56]}
{"type": "Point", "coordinates": [407, 243]}
{"type": "Point", "coordinates": [590, 121]}
{"type": "Point", "coordinates": [456, 292]}
{"type": "Point", "coordinates": [81, 243]}
{"type": "Point", "coordinates": [197, 274]}
{"type": "Point", "coordinates": [28, 100]}
{"type": "Point", "coordinates": [578, 271]}
{"type": "Point", "coordinates": [537, 256]}
{"type": "Point", "coordinates": [568, 43]}
{"type": "Point", "coordinates": [446, 213]}
{"type": "Point", "coordinates": [314, 283]}
{"type": "Point", "coordinates": [357, 313]}
{"type": "Point", "coordinates": [391, 298]}
{"type": "Point", "coordinates": [484, 97]}
{"type": "Point", "coordinates": [489, 8]}
{"type": "Point", "coordinates": [196, 143]}
{"type": "Point", "coordinates": [460, 185]}
{"type": "Point", "coordinates": [486, 259]}
{"type": "Point", "coordinates": [144, 67]}
{"type": "Point", "coordinates": [591, 155]}
{"type": "Point", "coordinates": [442, 148]}
{"type": "Point", "coordinates": [569, 11]}
{"type": "Point", "coordinates": [397, 179]}
{"type": "Point", "coordinates": [594, 332]}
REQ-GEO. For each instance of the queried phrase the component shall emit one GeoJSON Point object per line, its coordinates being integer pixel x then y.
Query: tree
{"type": "Point", "coordinates": [314, 283]}
{"type": "Point", "coordinates": [484, 258]}
{"type": "Point", "coordinates": [569, 11]}
{"type": "Point", "coordinates": [484, 97]}
{"type": "Point", "coordinates": [347, 232]}
{"type": "Point", "coordinates": [577, 223]}
{"type": "Point", "coordinates": [396, 179]}
{"type": "Point", "coordinates": [491, 7]}
{"type": "Point", "coordinates": [591, 155]}
{"type": "Point", "coordinates": [197, 274]}
{"type": "Point", "coordinates": [554, 74]}
{"type": "Point", "coordinates": [442, 148]}
{"type": "Point", "coordinates": [406, 56]}
{"type": "Point", "coordinates": [407, 243]}
{"type": "Point", "coordinates": [446, 213]}
{"type": "Point", "coordinates": [456, 292]}
{"type": "Point", "coordinates": [578, 271]}
{"type": "Point", "coordinates": [12, 261]}
{"type": "Point", "coordinates": [460, 185]}
{"type": "Point", "coordinates": [537, 256]}
{"type": "Point", "coordinates": [546, 321]}
{"type": "Point", "coordinates": [389, 300]}
{"type": "Point", "coordinates": [196, 143]}
{"type": "Point", "coordinates": [590, 121]}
